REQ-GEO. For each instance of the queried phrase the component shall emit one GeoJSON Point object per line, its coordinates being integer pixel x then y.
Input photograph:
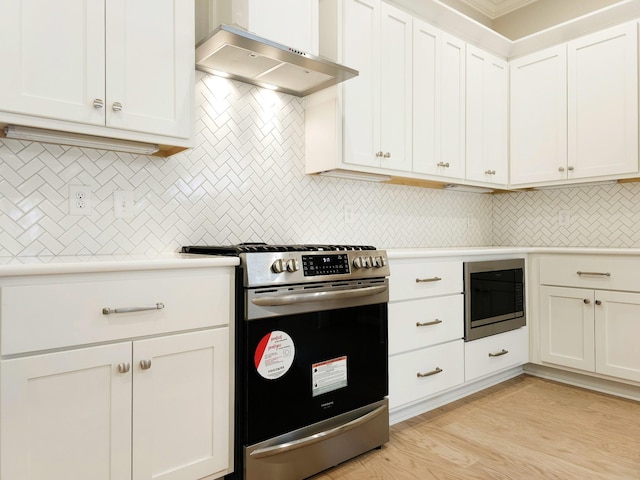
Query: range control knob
{"type": "Point", "coordinates": [379, 262]}
{"type": "Point", "coordinates": [357, 262]}
{"type": "Point", "coordinates": [278, 266]}
{"type": "Point", "coordinates": [293, 265]}
{"type": "Point", "coordinates": [366, 262]}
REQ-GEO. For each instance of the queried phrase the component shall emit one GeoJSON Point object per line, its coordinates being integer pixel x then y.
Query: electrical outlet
{"type": "Point", "coordinates": [564, 218]}
{"type": "Point", "coordinates": [123, 204]}
{"type": "Point", "coordinates": [349, 213]}
{"type": "Point", "coordinates": [80, 200]}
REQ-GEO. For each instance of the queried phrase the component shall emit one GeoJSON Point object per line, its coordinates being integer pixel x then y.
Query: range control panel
{"type": "Point", "coordinates": [277, 268]}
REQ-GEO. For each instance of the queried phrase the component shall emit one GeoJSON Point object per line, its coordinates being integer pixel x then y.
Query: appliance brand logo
{"type": "Point", "coordinates": [327, 405]}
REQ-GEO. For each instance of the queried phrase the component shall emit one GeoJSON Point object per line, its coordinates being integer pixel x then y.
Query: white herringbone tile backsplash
{"type": "Point", "coordinates": [244, 181]}
{"type": "Point", "coordinates": [600, 216]}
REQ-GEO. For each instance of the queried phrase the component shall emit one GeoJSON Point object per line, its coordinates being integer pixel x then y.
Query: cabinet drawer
{"type": "Point", "coordinates": [425, 279]}
{"type": "Point", "coordinates": [605, 272]}
{"type": "Point", "coordinates": [422, 323]}
{"type": "Point", "coordinates": [406, 386]}
{"type": "Point", "coordinates": [485, 356]}
{"type": "Point", "coordinates": [70, 312]}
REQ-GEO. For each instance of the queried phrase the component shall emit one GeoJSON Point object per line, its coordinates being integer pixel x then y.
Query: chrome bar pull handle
{"type": "Point", "coordinates": [98, 103]}
{"type": "Point", "coordinates": [117, 106]}
{"type": "Point", "coordinates": [443, 164]}
{"type": "Point", "coordinates": [109, 311]}
{"type": "Point", "coordinates": [499, 354]}
{"type": "Point", "coordinates": [124, 367]}
{"type": "Point", "coordinates": [437, 321]}
{"type": "Point", "coordinates": [145, 364]}
{"type": "Point", "coordinates": [597, 274]}
{"type": "Point", "coordinates": [428, 280]}
{"type": "Point", "coordinates": [428, 374]}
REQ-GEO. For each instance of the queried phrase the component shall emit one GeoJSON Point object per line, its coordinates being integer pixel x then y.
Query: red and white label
{"type": "Point", "coordinates": [329, 375]}
{"type": "Point", "coordinates": [274, 355]}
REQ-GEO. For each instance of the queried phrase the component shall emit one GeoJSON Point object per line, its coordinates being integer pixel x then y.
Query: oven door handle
{"type": "Point", "coordinates": [292, 299]}
{"type": "Point", "coordinates": [318, 437]}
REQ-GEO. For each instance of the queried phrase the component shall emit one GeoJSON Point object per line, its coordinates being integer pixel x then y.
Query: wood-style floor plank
{"type": "Point", "coordinates": [525, 428]}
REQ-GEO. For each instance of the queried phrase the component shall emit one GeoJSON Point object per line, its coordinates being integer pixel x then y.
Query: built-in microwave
{"type": "Point", "coordinates": [494, 297]}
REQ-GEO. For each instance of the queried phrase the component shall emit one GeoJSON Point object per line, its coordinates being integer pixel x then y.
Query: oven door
{"type": "Point", "coordinates": [306, 367]}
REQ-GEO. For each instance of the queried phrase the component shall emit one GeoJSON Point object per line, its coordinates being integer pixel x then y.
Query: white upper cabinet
{"type": "Point", "coordinates": [574, 109]}
{"type": "Point", "coordinates": [395, 89]}
{"type": "Point", "coordinates": [438, 102]}
{"type": "Point", "coordinates": [539, 116]}
{"type": "Point", "coordinates": [603, 103]}
{"type": "Point", "coordinates": [486, 117]}
{"type": "Point", "coordinates": [150, 64]}
{"type": "Point", "coordinates": [125, 65]}
{"type": "Point", "coordinates": [56, 59]}
{"type": "Point", "coordinates": [377, 103]}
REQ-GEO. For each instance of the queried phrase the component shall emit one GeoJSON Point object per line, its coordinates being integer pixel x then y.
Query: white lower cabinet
{"type": "Point", "coordinates": [66, 415]}
{"type": "Point", "coordinates": [492, 354]}
{"type": "Point", "coordinates": [153, 407]}
{"type": "Point", "coordinates": [589, 313]}
{"type": "Point", "coordinates": [591, 330]}
{"type": "Point", "coordinates": [425, 372]}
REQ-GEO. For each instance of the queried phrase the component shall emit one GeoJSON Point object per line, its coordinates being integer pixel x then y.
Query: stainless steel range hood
{"type": "Point", "coordinates": [240, 55]}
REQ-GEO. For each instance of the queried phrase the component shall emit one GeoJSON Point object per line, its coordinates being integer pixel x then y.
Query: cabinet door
{"type": "Point", "coordinates": [617, 317]}
{"type": "Point", "coordinates": [566, 327]}
{"type": "Point", "coordinates": [181, 406]}
{"type": "Point", "coordinates": [539, 116]}
{"type": "Point", "coordinates": [427, 49]}
{"type": "Point", "coordinates": [150, 66]}
{"type": "Point", "coordinates": [603, 103]}
{"type": "Point", "coordinates": [66, 415]}
{"type": "Point", "coordinates": [53, 59]}
{"type": "Point", "coordinates": [361, 132]}
{"type": "Point", "coordinates": [452, 108]}
{"type": "Point", "coordinates": [486, 117]}
{"type": "Point", "coordinates": [395, 88]}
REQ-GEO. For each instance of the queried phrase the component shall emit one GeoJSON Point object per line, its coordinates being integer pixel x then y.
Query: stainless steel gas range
{"type": "Point", "coordinates": [311, 356]}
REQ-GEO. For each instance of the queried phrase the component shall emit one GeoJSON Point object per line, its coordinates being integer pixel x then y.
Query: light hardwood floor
{"type": "Point", "coordinates": [525, 428]}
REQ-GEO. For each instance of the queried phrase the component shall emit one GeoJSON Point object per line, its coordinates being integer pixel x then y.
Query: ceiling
{"type": "Point", "coordinates": [516, 19]}
{"type": "Point", "coordinates": [496, 8]}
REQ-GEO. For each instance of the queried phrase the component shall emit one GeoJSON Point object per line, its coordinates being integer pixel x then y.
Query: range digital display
{"type": "Point", "coordinates": [330, 264]}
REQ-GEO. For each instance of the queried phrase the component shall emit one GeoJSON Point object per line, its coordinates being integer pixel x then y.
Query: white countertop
{"type": "Point", "coordinates": [49, 265]}
{"type": "Point", "coordinates": [399, 253]}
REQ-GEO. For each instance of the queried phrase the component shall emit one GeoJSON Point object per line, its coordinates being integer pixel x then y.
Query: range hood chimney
{"type": "Point", "coordinates": [235, 53]}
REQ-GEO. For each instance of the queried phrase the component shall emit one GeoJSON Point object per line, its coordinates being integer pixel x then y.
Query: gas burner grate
{"type": "Point", "coordinates": [263, 247]}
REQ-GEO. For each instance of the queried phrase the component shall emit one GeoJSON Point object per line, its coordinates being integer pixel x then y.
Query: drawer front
{"type": "Point", "coordinates": [70, 312]}
{"type": "Point", "coordinates": [405, 384]}
{"type": "Point", "coordinates": [487, 355]}
{"type": "Point", "coordinates": [424, 279]}
{"type": "Point", "coordinates": [607, 272]}
{"type": "Point", "coordinates": [421, 323]}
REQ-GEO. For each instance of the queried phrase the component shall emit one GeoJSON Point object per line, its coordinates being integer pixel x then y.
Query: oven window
{"type": "Point", "coordinates": [497, 295]}
{"type": "Point", "coordinates": [333, 362]}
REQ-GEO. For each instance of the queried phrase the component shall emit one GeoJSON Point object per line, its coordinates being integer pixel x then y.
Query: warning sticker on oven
{"type": "Point", "coordinates": [329, 375]}
{"type": "Point", "coordinates": [274, 355]}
